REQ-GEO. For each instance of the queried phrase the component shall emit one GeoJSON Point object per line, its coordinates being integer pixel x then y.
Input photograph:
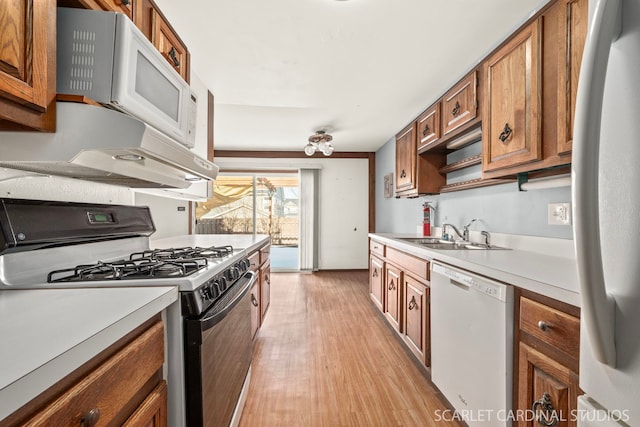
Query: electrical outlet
{"type": "Point", "coordinates": [559, 213]}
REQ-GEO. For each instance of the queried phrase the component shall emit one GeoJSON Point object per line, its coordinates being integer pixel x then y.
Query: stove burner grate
{"type": "Point", "coordinates": [159, 263]}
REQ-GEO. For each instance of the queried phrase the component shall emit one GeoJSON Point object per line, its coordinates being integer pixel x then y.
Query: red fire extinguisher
{"type": "Point", "coordinates": [426, 222]}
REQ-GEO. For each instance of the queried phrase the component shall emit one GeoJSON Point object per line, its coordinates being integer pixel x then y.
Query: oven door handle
{"type": "Point", "coordinates": [214, 316]}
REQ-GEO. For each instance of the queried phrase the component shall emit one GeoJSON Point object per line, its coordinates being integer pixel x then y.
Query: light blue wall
{"type": "Point", "coordinates": [500, 208]}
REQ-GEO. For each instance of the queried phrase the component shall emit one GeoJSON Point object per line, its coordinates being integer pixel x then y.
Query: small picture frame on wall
{"type": "Point", "coordinates": [388, 185]}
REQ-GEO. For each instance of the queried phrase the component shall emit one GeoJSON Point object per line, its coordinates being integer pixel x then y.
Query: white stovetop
{"type": "Point", "coordinates": [548, 268]}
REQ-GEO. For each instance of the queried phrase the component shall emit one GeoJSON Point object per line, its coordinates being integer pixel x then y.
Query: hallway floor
{"type": "Point", "coordinates": [325, 357]}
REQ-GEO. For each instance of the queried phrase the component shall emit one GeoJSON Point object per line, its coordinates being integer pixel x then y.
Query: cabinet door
{"type": "Point", "coordinates": [460, 104]}
{"type": "Point", "coordinates": [406, 153]}
{"type": "Point", "coordinates": [376, 281]}
{"type": "Point", "coordinates": [428, 127]}
{"type": "Point", "coordinates": [511, 134]}
{"type": "Point", "coordinates": [170, 45]}
{"type": "Point", "coordinates": [574, 19]}
{"type": "Point", "coordinates": [27, 63]}
{"type": "Point", "coordinates": [393, 279]}
{"type": "Point", "coordinates": [547, 390]}
{"type": "Point", "coordinates": [255, 308]}
{"type": "Point", "coordinates": [416, 315]}
{"type": "Point", "coordinates": [265, 289]}
{"type": "Point", "coordinates": [153, 411]}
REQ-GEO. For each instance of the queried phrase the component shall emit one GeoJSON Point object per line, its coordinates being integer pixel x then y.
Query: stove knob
{"type": "Point", "coordinates": [222, 284]}
{"type": "Point", "coordinates": [232, 274]}
{"type": "Point", "coordinates": [244, 265]}
{"type": "Point", "coordinates": [205, 292]}
{"type": "Point", "coordinates": [213, 290]}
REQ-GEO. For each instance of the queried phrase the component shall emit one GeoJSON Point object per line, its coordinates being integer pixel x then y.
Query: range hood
{"type": "Point", "coordinates": [99, 144]}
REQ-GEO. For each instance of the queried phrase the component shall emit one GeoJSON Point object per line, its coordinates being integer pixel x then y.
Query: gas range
{"type": "Point", "coordinates": [47, 244]}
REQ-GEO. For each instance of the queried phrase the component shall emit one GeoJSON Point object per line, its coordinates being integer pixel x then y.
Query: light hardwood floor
{"type": "Point", "coordinates": [324, 357]}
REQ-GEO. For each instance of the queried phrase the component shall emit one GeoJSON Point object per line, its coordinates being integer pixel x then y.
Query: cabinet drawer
{"type": "Point", "coordinates": [419, 267]}
{"type": "Point", "coordinates": [112, 387]}
{"type": "Point", "coordinates": [460, 104]}
{"type": "Point", "coordinates": [265, 252]}
{"type": "Point", "coordinates": [552, 326]}
{"type": "Point", "coordinates": [254, 261]}
{"type": "Point", "coordinates": [377, 248]}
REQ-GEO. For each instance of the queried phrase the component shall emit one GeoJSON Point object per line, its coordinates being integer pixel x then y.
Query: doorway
{"type": "Point", "coordinates": [257, 203]}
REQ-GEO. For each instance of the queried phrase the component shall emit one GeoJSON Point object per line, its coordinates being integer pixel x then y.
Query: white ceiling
{"type": "Point", "coordinates": [360, 69]}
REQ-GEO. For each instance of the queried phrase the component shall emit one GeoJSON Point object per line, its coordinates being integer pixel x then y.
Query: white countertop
{"type": "Point", "coordinates": [552, 276]}
{"type": "Point", "coordinates": [249, 242]}
{"type": "Point", "coordinates": [46, 334]}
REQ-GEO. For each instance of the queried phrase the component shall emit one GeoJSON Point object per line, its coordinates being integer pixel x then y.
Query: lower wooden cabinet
{"type": "Point", "coordinates": [393, 296]}
{"type": "Point", "coordinates": [416, 317]}
{"type": "Point", "coordinates": [376, 281]}
{"type": "Point", "coordinates": [265, 289]}
{"type": "Point", "coordinates": [546, 379]}
{"type": "Point", "coordinates": [399, 288]}
{"type": "Point", "coordinates": [548, 389]}
{"type": "Point", "coordinates": [255, 308]}
{"type": "Point", "coordinates": [125, 389]}
{"type": "Point", "coordinates": [259, 263]}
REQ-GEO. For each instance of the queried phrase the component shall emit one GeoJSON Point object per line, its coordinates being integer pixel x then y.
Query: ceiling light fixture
{"type": "Point", "coordinates": [320, 141]}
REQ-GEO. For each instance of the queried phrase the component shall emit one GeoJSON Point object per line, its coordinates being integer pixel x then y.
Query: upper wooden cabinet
{"type": "Point", "coordinates": [428, 126]}
{"type": "Point", "coordinates": [28, 64]}
{"type": "Point", "coordinates": [460, 104]}
{"type": "Point", "coordinates": [156, 27]}
{"type": "Point", "coordinates": [406, 153]}
{"type": "Point", "coordinates": [511, 133]}
{"type": "Point", "coordinates": [416, 174]}
{"type": "Point", "coordinates": [559, 37]}
{"type": "Point", "coordinates": [572, 18]}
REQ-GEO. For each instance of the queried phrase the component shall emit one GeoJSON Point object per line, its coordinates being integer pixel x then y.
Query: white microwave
{"type": "Point", "coordinates": [105, 57]}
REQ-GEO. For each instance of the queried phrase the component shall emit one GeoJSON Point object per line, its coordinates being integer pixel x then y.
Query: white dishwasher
{"type": "Point", "coordinates": [472, 344]}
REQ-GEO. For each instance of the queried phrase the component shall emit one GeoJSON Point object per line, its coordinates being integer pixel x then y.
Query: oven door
{"type": "Point", "coordinates": [218, 349]}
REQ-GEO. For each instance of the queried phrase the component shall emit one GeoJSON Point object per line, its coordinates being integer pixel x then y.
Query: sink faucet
{"type": "Point", "coordinates": [444, 230]}
{"type": "Point", "coordinates": [465, 230]}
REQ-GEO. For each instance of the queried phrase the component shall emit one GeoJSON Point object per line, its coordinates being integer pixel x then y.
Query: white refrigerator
{"type": "Point", "coordinates": [606, 204]}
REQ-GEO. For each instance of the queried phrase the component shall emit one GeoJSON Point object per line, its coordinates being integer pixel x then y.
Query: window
{"type": "Point", "coordinates": [256, 203]}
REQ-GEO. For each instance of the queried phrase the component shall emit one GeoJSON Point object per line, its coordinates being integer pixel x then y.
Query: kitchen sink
{"type": "Point", "coordinates": [440, 244]}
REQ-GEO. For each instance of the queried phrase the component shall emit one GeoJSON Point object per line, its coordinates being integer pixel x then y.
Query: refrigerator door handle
{"type": "Point", "coordinates": [598, 308]}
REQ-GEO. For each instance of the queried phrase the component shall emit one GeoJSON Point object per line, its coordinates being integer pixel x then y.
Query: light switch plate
{"type": "Point", "coordinates": [559, 213]}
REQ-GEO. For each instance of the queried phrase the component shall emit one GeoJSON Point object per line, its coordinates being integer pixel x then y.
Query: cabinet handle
{"type": "Point", "coordinates": [254, 300]}
{"type": "Point", "coordinates": [543, 326]}
{"type": "Point", "coordinates": [174, 57]}
{"type": "Point", "coordinates": [391, 286]}
{"type": "Point", "coordinates": [266, 279]}
{"type": "Point", "coordinates": [403, 174]}
{"type": "Point", "coordinates": [375, 273]}
{"type": "Point", "coordinates": [125, 2]}
{"type": "Point", "coordinates": [543, 417]}
{"type": "Point", "coordinates": [91, 418]}
{"type": "Point", "coordinates": [505, 134]}
{"type": "Point", "coordinates": [456, 109]}
{"type": "Point", "coordinates": [426, 130]}
{"type": "Point", "coordinates": [413, 304]}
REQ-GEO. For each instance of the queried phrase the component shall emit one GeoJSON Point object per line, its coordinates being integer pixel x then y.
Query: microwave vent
{"type": "Point", "coordinates": [82, 60]}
